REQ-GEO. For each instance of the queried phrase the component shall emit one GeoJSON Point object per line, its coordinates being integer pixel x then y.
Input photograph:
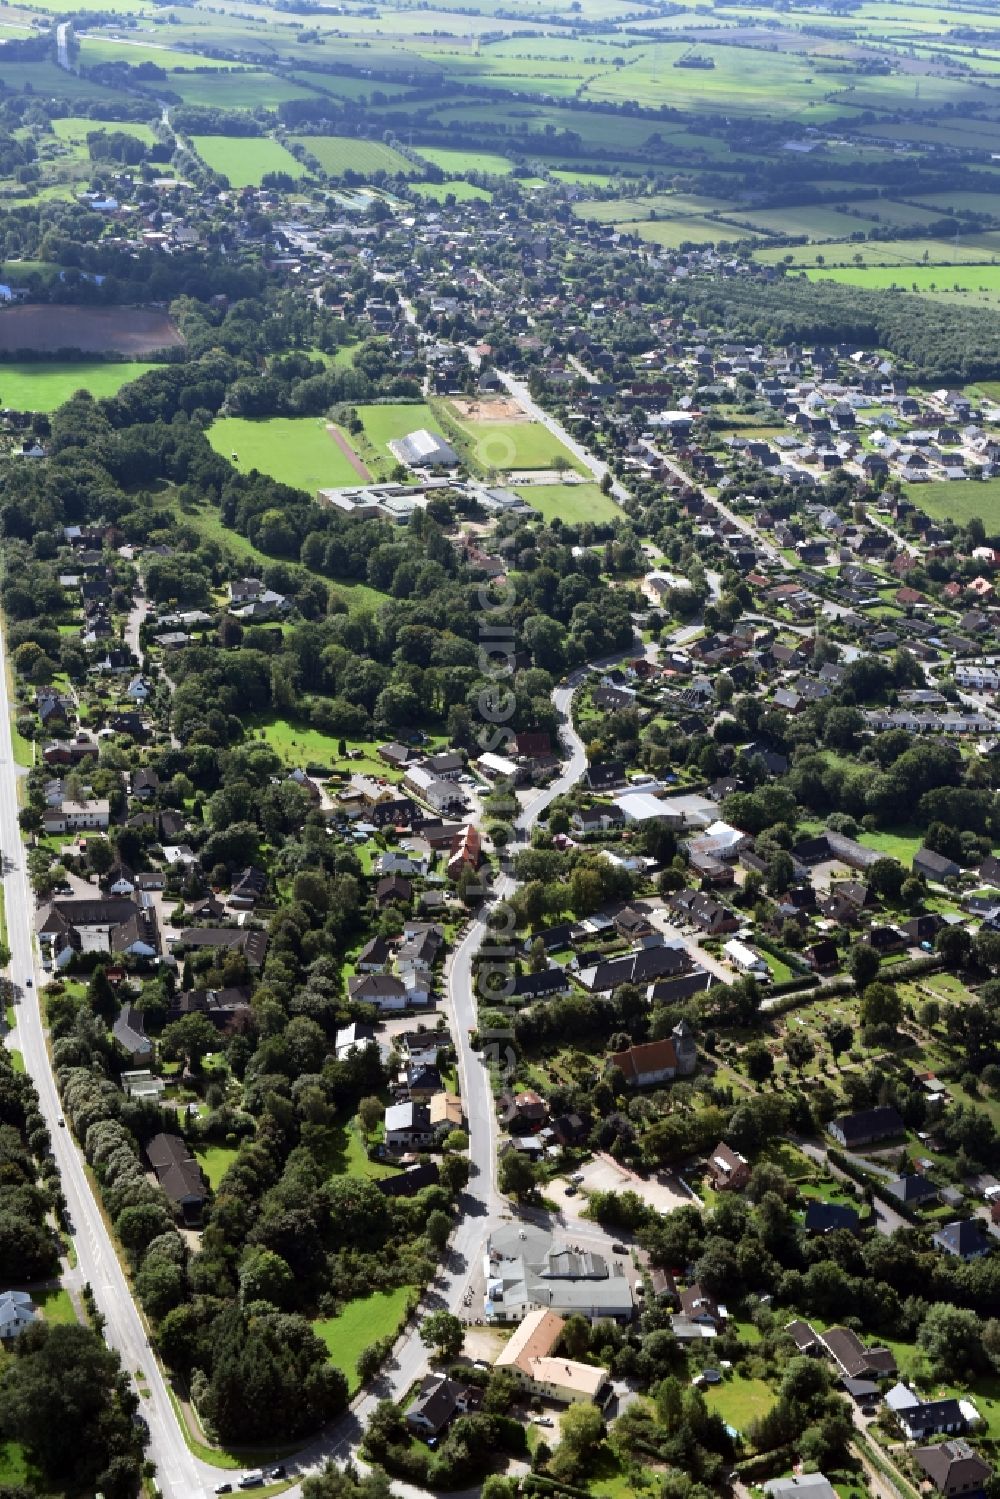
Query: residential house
{"type": "Point", "coordinates": [830, 1217]}
{"type": "Point", "coordinates": [852, 1358]}
{"type": "Point", "coordinates": [800, 1486]}
{"type": "Point", "coordinates": [728, 1170]}
{"type": "Point", "coordinates": [438, 1400]}
{"type": "Point", "coordinates": [383, 990]}
{"type": "Point", "coordinates": [17, 1314]}
{"type": "Point", "coordinates": [965, 1239]}
{"type": "Point", "coordinates": [408, 1126]}
{"type": "Point", "coordinates": [913, 1190]}
{"type": "Point", "coordinates": [128, 1030]}
{"type": "Point", "coordinates": [930, 1418]}
{"type": "Point", "coordinates": [179, 1174]}
{"type": "Point", "coordinates": [954, 1468]}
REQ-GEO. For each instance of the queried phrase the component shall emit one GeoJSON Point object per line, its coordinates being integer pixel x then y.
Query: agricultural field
{"type": "Point", "coordinates": [902, 252]}
{"type": "Point", "coordinates": [460, 163]}
{"type": "Point", "coordinates": [960, 502]}
{"type": "Point", "coordinates": [456, 188]}
{"type": "Point", "coordinates": [299, 451]}
{"type": "Point", "coordinates": [93, 330]}
{"type": "Point", "coordinates": [671, 234]}
{"type": "Point", "coordinates": [74, 129]}
{"type": "Point", "coordinates": [929, 280]}
{"type": "Point", "coordinates": [245, 161]}
{"type": "Point", "coordinates": [338, 154]}
{"type": "Point", "coordinates": [44, 387]}
{"type": "Point", "coordinates": [236, 89]}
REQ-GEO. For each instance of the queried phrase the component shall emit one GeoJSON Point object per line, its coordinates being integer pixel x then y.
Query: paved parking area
{"type": "Point", "coordinates": [662, 1192]}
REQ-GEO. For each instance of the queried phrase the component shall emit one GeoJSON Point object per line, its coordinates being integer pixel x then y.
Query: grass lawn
{"type": "Point", "coordinates": [294, 450]}
{"type": "Point", "coordinates": [244, 160]}
{"type": "Point", "coordinates": [24, 749]}
{"type": "Point", "coordinates": [738, 1401]}
{"type": "Point", "coordinates": [298, 745]}
{"type": "Point", "coordinates": [573, 503]}
{"type": "Point", "coordinates": [44, 387]}
{"type": "Point", "coordinates": [17, 1061]}
{"type": "Point", "coordinates": [16, 1468]}
{"type": "Point", "coordinates": [348, 1156]}
{"type": "Point", "coordinates": [56, 1306]}
{"type": "Point", "coordinates": [899, 845]}
{"type": "Point", "coordinates": [215, 1161]}
{"type": "Point", "coordinates": [359, 1324]}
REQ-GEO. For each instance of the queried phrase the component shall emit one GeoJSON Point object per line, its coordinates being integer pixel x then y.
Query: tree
{"type": "Point", "coordinates": [101, 996]}
{"type": "Point", "coordinates": [954, 944]}
{"type": "Point", "coordinates": [64, 1399]}
{"type": "Point", "coordinates": [438, 1229]}
{"type": "Point", "coordinates": [780, 872]}
{"type": "Point", "coordinates": [371, 1113]}
{"type": "Point", "coordinates": [758, 1061]}
{"type": "Point", "coordinates": [951, 1337]}
{"type": "Point", "coordinates": [581, 1431]}
{"type": "Point", "coordinates": [839, 1036]}
{"type": "Point", "coordinates": [886, 877]}
{"type": "Point", "coordinates": [516, 1174]}
{"type": "Point", "coordinates": [881, 1005]}
{"type": "Point", "coordinates": [443, 1332]}
{"type": "Point", "coordinates": [192, 1038]}
{"type": "Point", "coordinates": [863, 964]}
{"type": "Point", "coordinates": [576, 1336]}
{"type": "Point", "coordinates": [265, 1276]}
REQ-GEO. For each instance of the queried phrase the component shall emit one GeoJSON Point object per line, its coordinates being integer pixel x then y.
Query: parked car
{"type": "Point", "coordinates": [279, 1472]}
{"type": "Point", "coordinates": [571, 1191]}
{"type": "Point", "coordinates": [577, 1177]}
{"type": "Point", "coordinates": [223, 1488]}
{"type": "Point", "coordinates": [252, 1480]}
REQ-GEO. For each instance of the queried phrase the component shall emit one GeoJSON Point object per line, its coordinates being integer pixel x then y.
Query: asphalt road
{"type": "Point", "coordinates": [96, 1259]}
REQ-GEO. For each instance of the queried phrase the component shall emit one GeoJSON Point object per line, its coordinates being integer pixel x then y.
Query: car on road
{"type": "Point", "coordinates": [542, 1421]}
{"type": "Point", "coordinates": [223, 1488]}
{"type": "Point", "coordinates": [62, 1123]}
{"type": "Point", "coordinates": [252, 1480]}
{"type": "Point", "coordinates": [30, 983]}
{"type": "Point", "coordinates": [619, 1248]}
{"type": "Point", "coordinates": [571, 1191]}
{"type": "Point", "coordinates": [279, 1472]}
{"type": "Point", "coordinates": [577, 1177]}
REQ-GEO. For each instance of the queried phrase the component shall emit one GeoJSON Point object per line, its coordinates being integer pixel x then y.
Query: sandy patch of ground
{"type": "Point", "coordinates": [495, 409]}
{"type": "Point", "coordinates": [662, 1192]}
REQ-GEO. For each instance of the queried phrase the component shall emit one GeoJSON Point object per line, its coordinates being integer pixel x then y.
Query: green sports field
{"type": "Point", "coordinates": [514, 445]}
{"type": "Point", "coordinates": [44, 387]}
{"type": "Point", "coordinates": [575, 504]}
{"type": "Point", "coordinates": [295, 450]}
{"type": "Point", "coordinates": [245, 160]}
